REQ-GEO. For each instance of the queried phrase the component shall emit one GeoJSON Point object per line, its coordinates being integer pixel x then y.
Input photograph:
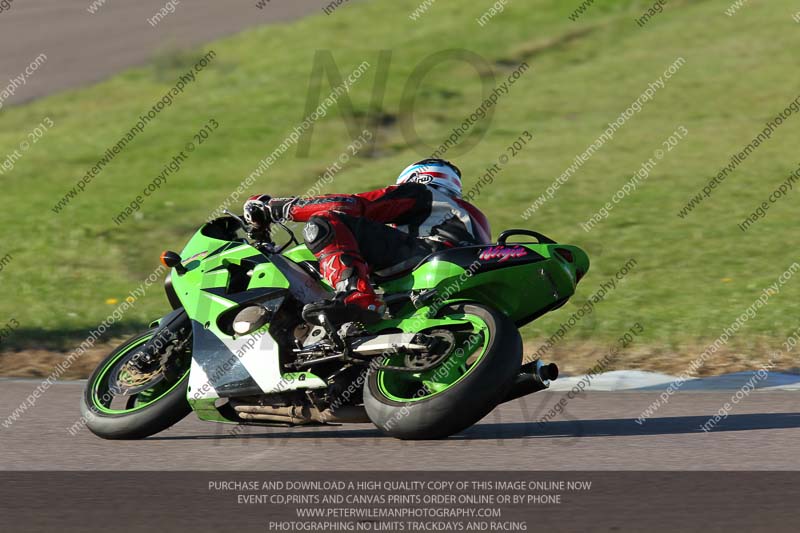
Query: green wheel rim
{"type": "Point", "coordinates": [144, 398]}
{"type": "Point", "coordinates": [406, 387]}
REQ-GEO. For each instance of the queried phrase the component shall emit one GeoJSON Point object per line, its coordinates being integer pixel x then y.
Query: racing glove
{"type": "Point", "coordinates": [261, 210]}
{"type": "Point", "coordinates": [257, 213]}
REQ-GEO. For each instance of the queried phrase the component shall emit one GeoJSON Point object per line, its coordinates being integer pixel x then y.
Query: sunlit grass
{"type": "Point", "coordinates": [693, 278]}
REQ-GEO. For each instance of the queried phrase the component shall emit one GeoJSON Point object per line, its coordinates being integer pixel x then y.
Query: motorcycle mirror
{"type": "Point", "coordinates": [173, 260]}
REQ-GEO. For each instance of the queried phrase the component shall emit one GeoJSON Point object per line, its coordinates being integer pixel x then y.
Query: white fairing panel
{"type": "Point", "coordinates": [235, 362]}
{"type": "Point", "coordinates": [261, 360]}
{"type": "Point", "coordinates": [200, 386]}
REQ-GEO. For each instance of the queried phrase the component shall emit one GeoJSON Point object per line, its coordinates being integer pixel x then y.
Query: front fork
{"type": "Point", "coordinates": [167, 331]}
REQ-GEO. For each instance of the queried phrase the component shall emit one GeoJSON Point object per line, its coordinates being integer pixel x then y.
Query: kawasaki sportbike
{"type": "Point", "coordinates": [236, 348]}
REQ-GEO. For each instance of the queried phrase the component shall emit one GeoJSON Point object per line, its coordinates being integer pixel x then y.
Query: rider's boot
{"type": "Point", "coordinates": [355, 299]}
{"type": "Point", "coordinates": [341, 263]}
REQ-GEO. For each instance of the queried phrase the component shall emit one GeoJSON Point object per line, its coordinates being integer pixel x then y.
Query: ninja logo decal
{"type": "Point", "coordinates": [502, 253]}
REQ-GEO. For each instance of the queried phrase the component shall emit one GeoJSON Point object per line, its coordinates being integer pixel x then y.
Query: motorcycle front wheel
{"type": "Point", "coordinates": [118, 403]}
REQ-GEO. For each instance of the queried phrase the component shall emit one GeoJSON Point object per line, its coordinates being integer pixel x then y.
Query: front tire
{"type": "Point", "coordinates": [144, 414]}
{"type": "Point", "coordinates": [411, 410]}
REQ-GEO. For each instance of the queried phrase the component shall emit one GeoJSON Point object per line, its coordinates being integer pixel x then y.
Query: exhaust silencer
{"type": "Point", "coordinates": [533, 377]}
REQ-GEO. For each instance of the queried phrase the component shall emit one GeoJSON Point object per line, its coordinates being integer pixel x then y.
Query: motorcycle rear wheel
{"type": "Point", "coordinates": [456, 394]}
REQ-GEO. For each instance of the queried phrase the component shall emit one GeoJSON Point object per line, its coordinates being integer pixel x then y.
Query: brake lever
{"type": "Point", "coordinates": [245, 226]}
{"type": "Point", "coordinates": [264, 245]}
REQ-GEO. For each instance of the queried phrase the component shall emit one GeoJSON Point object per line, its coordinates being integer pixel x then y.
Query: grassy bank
{"type": "Point", "coordinates": [694, 276]}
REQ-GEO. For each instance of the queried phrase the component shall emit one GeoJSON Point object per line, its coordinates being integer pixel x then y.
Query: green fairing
{"type": "Point", "coordinates": [206, 410]}
{"type": "Point", "coordinates": [299, 253]}
{"type": "Point", "coordinates": [521, 291]}
{"type": "Point", "coordinates": [511, 290]}
{"type": "Point", "coordinates": [203, 306]}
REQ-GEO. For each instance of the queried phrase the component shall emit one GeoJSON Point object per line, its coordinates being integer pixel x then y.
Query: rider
{"type": "Point", "coordinates": [386, 230]}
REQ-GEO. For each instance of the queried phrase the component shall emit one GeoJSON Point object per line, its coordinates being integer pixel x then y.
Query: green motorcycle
{"type": "Point", "coordinates": [237, 349]}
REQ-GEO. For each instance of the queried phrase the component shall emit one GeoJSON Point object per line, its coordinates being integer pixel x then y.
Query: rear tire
{"type": "Point", "coordinates": [465, 402]}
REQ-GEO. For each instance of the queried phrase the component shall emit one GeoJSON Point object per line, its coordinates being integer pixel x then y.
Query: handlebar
{"type": "Point", "coordinates": [266, 243]}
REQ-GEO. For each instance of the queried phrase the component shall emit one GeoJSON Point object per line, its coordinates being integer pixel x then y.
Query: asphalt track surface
{"type": "Point", "coordinates": [83, 48]}
{"type": "Point", "coordinates": [598, 432]}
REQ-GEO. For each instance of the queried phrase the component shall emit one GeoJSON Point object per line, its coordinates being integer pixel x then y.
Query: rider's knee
{"type": "Point", "coordinates": [318, 233]}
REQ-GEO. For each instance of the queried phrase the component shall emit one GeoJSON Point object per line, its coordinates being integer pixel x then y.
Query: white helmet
{"type": "Point", "coordinates": [436, 173]}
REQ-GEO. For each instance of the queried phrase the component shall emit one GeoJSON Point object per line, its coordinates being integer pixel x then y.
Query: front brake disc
{"type": "Point", "coordinates": [126, 379]}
